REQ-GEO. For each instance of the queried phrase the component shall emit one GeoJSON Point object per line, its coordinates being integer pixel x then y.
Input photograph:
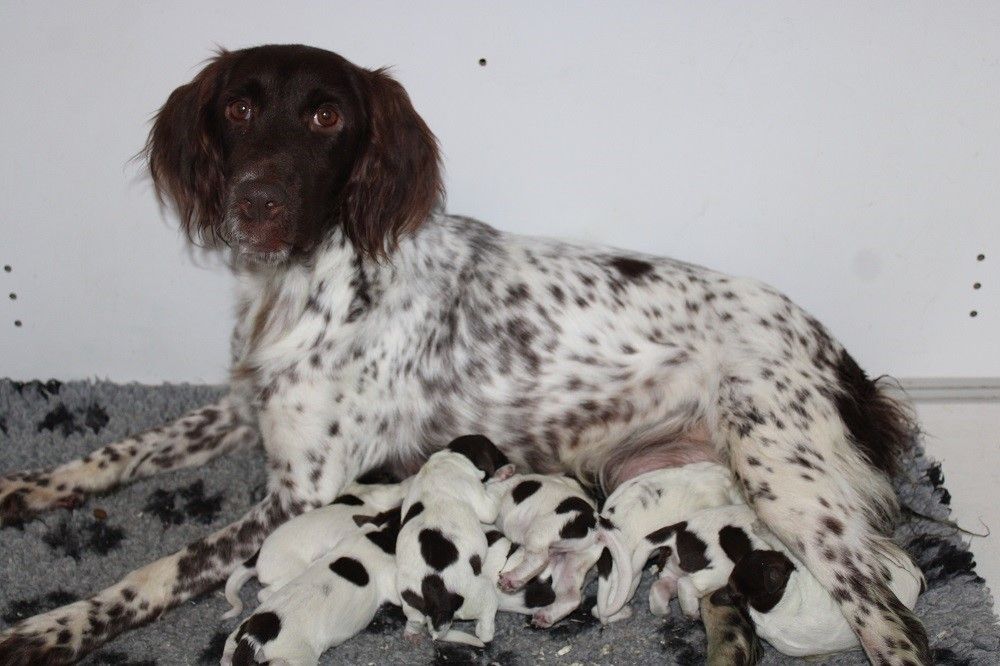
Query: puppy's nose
{"type": "Point", "coordinates": [260, 201]}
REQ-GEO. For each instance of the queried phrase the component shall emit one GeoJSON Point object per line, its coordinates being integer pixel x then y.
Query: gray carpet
{"type": "Point", "coordinates": [64, 556]}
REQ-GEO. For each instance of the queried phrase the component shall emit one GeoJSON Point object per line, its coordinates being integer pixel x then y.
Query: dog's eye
{"type": "Point", "coordinates": [239, 111]}
{"type": "Point", "coordinates": [325, 118]}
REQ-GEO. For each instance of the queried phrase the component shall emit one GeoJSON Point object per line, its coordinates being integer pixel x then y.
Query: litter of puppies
{"type": "Point", "coordinates": [467, 537]}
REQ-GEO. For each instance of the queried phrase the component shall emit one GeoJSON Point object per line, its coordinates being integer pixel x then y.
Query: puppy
{"type": "Point", "coordinates": [556, 521]}
{"type": "Point", "coordinates": [552, 594]}
{"type": "Point", "coordinates": [333, 599]}
{"type": "Point", "coordinates": [698, 554]}
{"type": "Point", "coordinates": [443, 543]}
{"type": "Point", "coordinates": [794, 613]}
{"type": "Point", "coordinates": [641, 505]}
{"type": "Point", "coordinates": [295, 545]}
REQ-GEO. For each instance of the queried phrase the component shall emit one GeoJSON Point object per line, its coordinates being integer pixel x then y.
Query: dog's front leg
{"type": "Point", "coordinates": [66, 634]}
{"type": "Point", "coordinates": [192, 440]}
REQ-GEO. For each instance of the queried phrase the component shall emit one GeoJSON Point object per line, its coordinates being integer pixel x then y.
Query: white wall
{"type": "Point", "coordinates": [848, 153]}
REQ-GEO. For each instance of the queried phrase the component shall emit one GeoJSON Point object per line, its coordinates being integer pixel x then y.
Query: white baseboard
{"type": "Point", "coordinates": [951, 389]}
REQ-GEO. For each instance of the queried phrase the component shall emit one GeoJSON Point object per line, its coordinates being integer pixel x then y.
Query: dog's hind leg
{"type": "Point", "coordinates": [732, 640]}
{"type": "Point", "coordinates": [192, 440]}
{"type": "Point", "coordinates": [797, 459]}
{"type": "Point", "coordinates": [65, 634]}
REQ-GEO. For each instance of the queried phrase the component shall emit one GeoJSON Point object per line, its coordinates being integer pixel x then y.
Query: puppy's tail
{"type": "Point", "coordinates": [614, 577]}
{"type": "Point", "coordinates": [235, 583]}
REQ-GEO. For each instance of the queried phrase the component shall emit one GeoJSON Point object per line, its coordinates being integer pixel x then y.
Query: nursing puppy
{"type": "Point", "coordinates": [333, 599]}
{"type": "Point", "coordinates": [291, 548]}
{"type": "Point", "coordinates": [443, 543]}
{"type": "Point", "coordinates": [642, 505]}
{"type": "Point", "coordinates": [698, 554]}
{"type": "Point", "coordinates": [794, 613]}
{"type": "Point", "coordinates": [552, 594]}
{"type": "Point", "coordinates": [555, 521]}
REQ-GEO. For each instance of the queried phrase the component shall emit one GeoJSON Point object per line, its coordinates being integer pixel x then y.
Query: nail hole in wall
{"type": "Point", "coordinates": [12, 296]}
{"type": "Point", "coordinates": [977, 285]}
{"type": "Point", "coordinates": [980, 257]}
{"type": "Point", "coordinates": [7, 269]}
{"type": "Point", "coordinates": [482, 62]}
{"type": "Point", "coordinates": [974, 313]}
{"type": "Point", "coordinates": [17, 322]}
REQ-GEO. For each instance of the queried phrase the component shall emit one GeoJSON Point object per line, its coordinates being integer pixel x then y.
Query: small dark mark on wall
{"type": "Point", "coordinates": [7, 269]}
{"type": "Point", "coordinates": [12, 296]}
{"type": "Point", "coordinates": [482, 62]}
{"type": "Point", "coordinates": [17, 323]}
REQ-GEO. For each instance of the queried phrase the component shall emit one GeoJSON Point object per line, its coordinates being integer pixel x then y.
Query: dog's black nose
{"type": "Point", "coordinates": [260, 201]}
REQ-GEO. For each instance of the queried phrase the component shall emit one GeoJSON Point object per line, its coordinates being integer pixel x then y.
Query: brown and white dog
{"type": "Point", "coordinates": [372, 327]}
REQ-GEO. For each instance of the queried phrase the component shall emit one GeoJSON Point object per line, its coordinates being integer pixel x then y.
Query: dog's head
{"type": "Point", "coordinates": [269, 148]}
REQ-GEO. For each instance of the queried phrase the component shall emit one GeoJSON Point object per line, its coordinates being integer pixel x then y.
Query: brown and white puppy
{"type": "Point", "coordinates": [698, 554]}
{"type": "Point", "coordinates": [333, 599]}
{"type": "Point", "coordinates": [554, 521]}
{"type": "Point", "coordinates": [291, 548]}
{"type": "Point", "coordinates": [444, 545]}
{"type": "Point", "coordinates": [643, 505]}
{"type": "Point", "coordinates": [794, 613]}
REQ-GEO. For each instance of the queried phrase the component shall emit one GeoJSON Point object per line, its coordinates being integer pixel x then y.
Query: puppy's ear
{"type": "Point", "coordinates": [396, 178]}
{"type": "Point", "coordinates": [184, 153]}
{"type": "Point", "coordinates": [505, 472]}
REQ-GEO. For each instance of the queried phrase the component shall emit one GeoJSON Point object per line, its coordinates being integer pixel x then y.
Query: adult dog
{"type": "Point", "coordinates": [373, 328]}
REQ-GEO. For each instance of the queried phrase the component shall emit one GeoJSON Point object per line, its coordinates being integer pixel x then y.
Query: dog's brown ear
{"type": "Point", "coordinates": [396, 178]}
{"type": "Point", "coordinates": [184, 154]}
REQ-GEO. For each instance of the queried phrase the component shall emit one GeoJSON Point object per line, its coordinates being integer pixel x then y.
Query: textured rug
{"type": "Point", "coordinates": [64, 556]}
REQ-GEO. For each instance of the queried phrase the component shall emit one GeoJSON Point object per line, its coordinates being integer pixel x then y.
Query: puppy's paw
{"type": "Point", "coordinates": [542, 620]}
{"type": "Point", "coordinates": [508, 583]}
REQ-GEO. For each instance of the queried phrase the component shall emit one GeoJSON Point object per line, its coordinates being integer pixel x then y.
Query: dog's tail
{"type": "Point", "coordinates": [235, 583]}
{"type": "Point", "coordinates": [881, 428]}
{"type": "Point", "coordinates": [615, 571]}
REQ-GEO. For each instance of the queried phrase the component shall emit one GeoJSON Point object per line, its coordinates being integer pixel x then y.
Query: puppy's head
{"type": "Point", "coordinates": [759, 579]}
{"type": "Point", "coordinates": [482, 452]}
{"type": "Point", "coordinates": [268, 148]}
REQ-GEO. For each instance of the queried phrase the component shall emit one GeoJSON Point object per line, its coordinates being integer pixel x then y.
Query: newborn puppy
{"type": "Point", "coordinates": [443, 544]}
{"type": "Point", "coordinates": [556, 521]}
{"type": "Point", "coordinates": [295, 545]}
{"type": "Point", "coordinates": [333, 599]}
{"type": "Point", "coordinates": [549, 596]}
{"type": "Point", "coordinates": [646, 503]}
{"type": "Point", "coordinates": [698, 554]}
{"type": "Point", "coordinates": [794, 613]}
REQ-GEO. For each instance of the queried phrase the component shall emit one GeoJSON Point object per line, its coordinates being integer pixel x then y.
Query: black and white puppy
{"type": "Point", "coordinates": [644, 504]}
{"type": "Point", "coordinates": [444, 545]}
{"type": "Point", "coordinates": [292, 547]}
{"type": "Point", "coordinates": [333, 599]}
{"type": "Point", "coordinates": [555, 521]}
{"type": "Point", "coordinates": [793, 612]}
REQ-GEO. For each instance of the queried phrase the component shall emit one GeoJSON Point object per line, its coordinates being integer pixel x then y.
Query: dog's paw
{"type": "Point", "coordinates": [27, 494]}
{"type": "Point", "coordinates": [508, 583]}
{"type": "Point", "coordinates": [26, 647]}
{"type": "Point", "coordinates": [542, 620]}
